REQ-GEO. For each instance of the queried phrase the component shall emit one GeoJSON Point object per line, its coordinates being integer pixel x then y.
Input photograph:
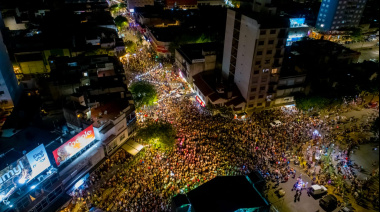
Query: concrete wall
{"type": "Point", "coordinates": [228, 43]}
{"type": "Point", "coordinates": [8, 83]}
{"type": "Point", "coordinates": [249, 33]}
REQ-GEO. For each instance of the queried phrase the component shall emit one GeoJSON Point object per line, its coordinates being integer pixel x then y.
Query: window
{"type": "Point", "coordinates": [259, 104]}
{"type": "Point", "coordinates": [274, 71]}
{"type": "Point", "coordinates": [251, 105]}
{"type": "Point", "coordinates": [122, 137]}
{"type": "Point", "coordinates": [85, 74]}
{"type": "Point", "coordinates": [262, 88]}
{"type": "Point", "coordinates": [255, 80]}
{"type": "Point", "coordinates": [267, 61]}
{"type": "Point", "coordinates": [265, 70]}
{"type": "Point", "coordinates": [261, 96]}
{"type": "Point", "coordinates": [253, 89]}
{"type": "Point", "coordinates": [252, 98]}
{"type": "Point", "coordinates": [259, 53]}
{"type": "Point", "coordinates": [261, 43]}
{"type": "Point", "coordinates": [2, 92]}
{"type": "Point", "coordinates": [256, 72]}
{"type": "Point", "coordinates": [271, 42]}
{"type": "Point", "coordinates": [264, 79]}
{"type": "Point", "coordinates": [272, 31]}
{"type": "Point", "coordinates": [263, 32]}
{"type": "Point", "coordinates": [257, 62]}
{"type": "Point", "coordinates": [269, 52]}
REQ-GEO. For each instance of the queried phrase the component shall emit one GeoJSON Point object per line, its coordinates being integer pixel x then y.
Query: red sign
{"type": "Point", "coordinates": [200, 101]}
{"type": "Point", "coordinates": [74, 145]}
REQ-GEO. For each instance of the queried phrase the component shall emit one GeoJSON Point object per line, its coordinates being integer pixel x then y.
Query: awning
{"type": "Point", "coordinates": [132, 147]}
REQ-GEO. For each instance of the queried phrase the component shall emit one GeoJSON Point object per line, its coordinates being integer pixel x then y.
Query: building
{"type": "Point", "coordinates": [321, 61]}
{"type": "Point", "coordinates": [337, 14]}
{"type": "Point", "coordinates": [210, 88]}
{"type": "Point", "coordinates": [183, 4]}
{"type": "Point", "coordinates": [132, 4]}
{"type": "Point", "coordinates": [225, 194]}
{"type": "Point", "coordinates": [211, 3]}
{"type": "Point", "coordinates": [192, 59]}
{"type": "Point", "coordinates": [254, 48]}
{"type": "Point", "coordinates": [297, 30]}
{"type": "Point", "coordinates": [9, 88]}
{"type": "Point", "coordinates": [161, 37]}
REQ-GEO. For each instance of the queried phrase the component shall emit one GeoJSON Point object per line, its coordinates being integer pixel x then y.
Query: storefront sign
{"type": "Point", "coordinates": [23, 170]}
{"type": "Point", "coordinates": [74, 145]}
{"type": "Point", "coordinates": [200, 101]}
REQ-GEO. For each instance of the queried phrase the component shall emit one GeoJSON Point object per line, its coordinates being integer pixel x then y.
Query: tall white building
{"type": "Point", "coordinates": [9, 88]}
{"type": "Point", "coordinates": [254, 48]}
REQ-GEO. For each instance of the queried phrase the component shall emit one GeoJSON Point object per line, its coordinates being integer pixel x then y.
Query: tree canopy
{"type": "Point", "coordinates": [121, 21]}
{"type": "Point", "coordinates": [305, 103]}
{"type": "Point", "coordinates": [144, 93]}
{"type": "Point", "coordinates": [131, 46]}
{"type": "Point", "coordinates": [158, 133]}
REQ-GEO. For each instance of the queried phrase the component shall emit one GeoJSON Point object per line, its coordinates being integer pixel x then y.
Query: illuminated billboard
{"type": "Point", "coordinates": [200, 101]}
{"type": "Point", "coordinates": [297, 22]}
{"type": "Point", "coordinates": [23, 170]}
{"type": "Point", "coordinates": [74, 145]}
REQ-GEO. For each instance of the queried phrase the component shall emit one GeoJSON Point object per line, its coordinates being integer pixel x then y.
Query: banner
{"type": "Point", "coordinates": [23, 170]}
{"type": "Point", "coordinates": [38, 160]}
{"type": "Point", "coordinates": [74, 145]}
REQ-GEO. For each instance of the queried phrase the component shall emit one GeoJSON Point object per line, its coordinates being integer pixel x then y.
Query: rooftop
{"type": "Point", "coordinates": [266, 21]}
{"type": "Point", "coordinates": [194, 51]}
{"type": "Point", "coordinates": [320, 47]}
{"type": "Point", "coordinates": [108, 111]}
{"type": "Point", "coordinates": [226, 194]}
{"type": "Point", "coordinates": [165, 34]}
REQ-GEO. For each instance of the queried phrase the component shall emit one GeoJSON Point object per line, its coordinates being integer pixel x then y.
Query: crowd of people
{"type": "Point", "coordinates": [209, 146]}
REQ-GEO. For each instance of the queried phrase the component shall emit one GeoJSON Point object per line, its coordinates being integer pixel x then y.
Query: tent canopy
{"type": "Point", "coordinates": [132, 147]}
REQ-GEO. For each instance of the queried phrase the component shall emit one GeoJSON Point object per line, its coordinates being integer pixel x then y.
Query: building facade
{"type": "Point", "coordinates": [9, 88]}
{"type": "Point", "coordinates": [253, 55]}
{"type": "Point", "coordinates": [183, 4]}
{"type": "Point", "coordinates": [132, 4]}
{"type": "Point", "coordinates": [336, 14]}
{"type": "Point", "coordinates": [192, 59]}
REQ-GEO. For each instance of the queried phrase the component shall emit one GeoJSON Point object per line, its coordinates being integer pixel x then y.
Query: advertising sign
{"type": "Point", "coordinates": [38, 160]}
{"type": "Point", "coordinates": [200, 101]}
{"type": "Point", "coordinates": [74, 145]}
{"type": "Point", "coordinates": [23, 170]}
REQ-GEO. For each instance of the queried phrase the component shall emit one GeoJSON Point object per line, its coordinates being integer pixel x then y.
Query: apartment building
{"type": "Point", "coordinates": [337, 14]}
{"type": "Point", "coordinates": [254, 48]}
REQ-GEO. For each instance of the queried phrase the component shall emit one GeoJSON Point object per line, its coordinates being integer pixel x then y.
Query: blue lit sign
{"type": "Point", "coordinates": [297, 22]}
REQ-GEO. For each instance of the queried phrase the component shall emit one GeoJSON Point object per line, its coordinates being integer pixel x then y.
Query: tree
{"type": "Point", "coordinates": [131, 46]}
{"type": "Point", "coordinates": [114, 8]}
{"type": "Point", "coordinates": [158, 133]}
{"type": "Point", "coordinates": [356, 34]}
{"type": "Point", "coordinates": [305, 103]}
{"type": "Point", "coordinates": [144, 93]}
{"type": "Point", "coordinates": [121, 21]}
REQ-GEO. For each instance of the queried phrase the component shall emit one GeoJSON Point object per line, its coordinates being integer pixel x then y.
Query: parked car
{"type": "Point", "coordinates": [328, 202]}
{"type": "Point", "coordinates": [317, 190]}
{"type": "Point", "coordinates": [275, 123]}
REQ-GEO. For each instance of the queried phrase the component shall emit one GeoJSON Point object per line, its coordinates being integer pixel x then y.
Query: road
{"type": "Point", "coordinates": [368, 50]}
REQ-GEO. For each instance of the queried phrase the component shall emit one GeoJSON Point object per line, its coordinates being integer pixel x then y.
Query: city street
{"type": "Point", "coordinates": [368, 50]}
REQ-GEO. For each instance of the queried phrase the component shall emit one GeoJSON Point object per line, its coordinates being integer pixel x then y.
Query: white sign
{"type": "Point", "coordinates": [38, 160]}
